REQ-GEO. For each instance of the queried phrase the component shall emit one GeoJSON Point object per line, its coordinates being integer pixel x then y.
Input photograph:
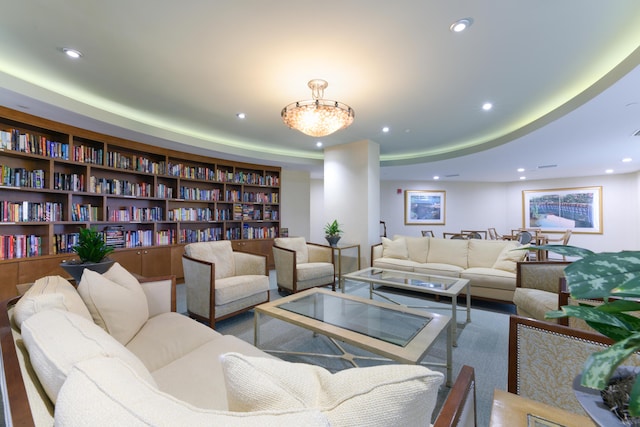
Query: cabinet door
{"type": "Point", "coordinates": [8, 279]}
{"type": "Point", "coordinates": [156, 261]}
{"type": "Point", "coordinates": [261, 247]}
{"type": "Point", "coordinates": [130, 259]}
{"type": "Point", "coordinates": [30, 270]}
{"type": "Point", "coordinates": [176, 262]}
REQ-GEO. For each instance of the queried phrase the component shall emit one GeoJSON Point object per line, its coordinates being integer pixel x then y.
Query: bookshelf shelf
{"type": "Point", "coordinates": [57, 178]}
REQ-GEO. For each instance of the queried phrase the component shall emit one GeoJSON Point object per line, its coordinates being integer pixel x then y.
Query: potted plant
{"type": "Point", "coordinates": [92, 251]}
{"type": "Point", "coordinates": [615, 278]}
{"type": "Point", "coordinates": [332, 232]}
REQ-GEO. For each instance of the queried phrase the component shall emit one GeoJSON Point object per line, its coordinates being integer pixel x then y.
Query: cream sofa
{"type": "Point", "coordinates": [490, 265]}
{"type": "Point", "coordinates": [114, 352]}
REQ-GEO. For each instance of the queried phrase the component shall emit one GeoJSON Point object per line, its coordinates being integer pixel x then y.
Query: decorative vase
{"type": "Point", "coordinates": [333, 240]}
{"type": "Point", "coordinates": [76, 268]}
{"type": "Point", "coordinates": [594, 406]}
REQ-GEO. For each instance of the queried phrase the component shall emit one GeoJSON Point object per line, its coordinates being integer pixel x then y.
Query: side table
{"type": "Point", "coordinates": [343, 256]}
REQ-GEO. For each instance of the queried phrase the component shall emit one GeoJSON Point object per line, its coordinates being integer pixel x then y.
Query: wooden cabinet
{"type": "Point", "coordinates": [56, 179]}
{"type": "Point", "coordinates": [262, 247]}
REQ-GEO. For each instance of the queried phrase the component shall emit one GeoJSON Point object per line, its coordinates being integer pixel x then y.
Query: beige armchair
{"type": "Point", "coordinates": [222, 282]}
{"type": "Point", "coordinates": [538, 287]}
{"type": "Point", "coordinates": [302, 265]}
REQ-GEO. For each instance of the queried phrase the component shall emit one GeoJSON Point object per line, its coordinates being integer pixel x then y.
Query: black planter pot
{"type": "Point", "coordinates": [75, 268]}
{"type": "Point", "coordinates": [333, 240]}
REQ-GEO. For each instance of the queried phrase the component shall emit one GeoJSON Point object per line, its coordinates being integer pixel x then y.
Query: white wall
{"type": "Point", "coordinates": [295, 206]}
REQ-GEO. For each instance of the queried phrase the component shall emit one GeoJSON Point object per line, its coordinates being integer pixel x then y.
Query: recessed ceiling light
{"type": "Point", "coordinates": [72, 53]}
{"type": "Point", "coordinates": [523, 177]}
{"type": "Point", "coordinates": [609, 171]}
{"type": "Point", "coordinates": [461, 25]}
{"type": "Point", "coordinates": [627, 159]}
{"type": "Point", "coordinates": [385, 129]}
{"type": "Point", "coordinates": [319, 144]}
{"type": "Point", "coordinates": [241, 115]}
{"type": "Point", "coordinates": [520, 169]}
{"type": "Point", "coordinates": [436, 177]}
{"type": "Point", "coordinates": [487, 106]}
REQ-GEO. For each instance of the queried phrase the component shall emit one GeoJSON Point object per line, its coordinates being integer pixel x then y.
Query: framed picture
{"type": "Point", "coordinates": [424, 207]}
{"type": "Point", "coordinates": [578, 209]}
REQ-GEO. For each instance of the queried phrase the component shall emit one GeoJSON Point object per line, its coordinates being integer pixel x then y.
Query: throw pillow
{"type": "Point", "coordinates": [298, 244]}
{"type": "Point", "coordinates": [46, 293]}
{"type": "Point", "coordinates": [219, 253]}
{"type": "Point", "coordinates": [56, 340]}
{"type": "Point", "coordinates": [394, 248]}
{"type": "Point", "coordinates": [118, 305]}
{"type": "Point", "coordinates": [509, 258]}
{"type": "Point", "coordinates": [387, 395]}
{"type": "Point", "coordinates": [105, 391]}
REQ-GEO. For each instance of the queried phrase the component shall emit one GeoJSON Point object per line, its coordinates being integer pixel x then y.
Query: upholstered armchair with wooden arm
{"type": "Point", "coordinates": [302, 265]}
{"type": "Point", "coordinates": [222, 282]}
{"type": "Point", "coordinates": [538, 287]}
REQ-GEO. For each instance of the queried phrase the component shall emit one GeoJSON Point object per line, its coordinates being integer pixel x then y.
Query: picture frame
{"type": "Point", "coordinates": [424, 207]}
{"type": "Point", "coordinates": [558, 209]}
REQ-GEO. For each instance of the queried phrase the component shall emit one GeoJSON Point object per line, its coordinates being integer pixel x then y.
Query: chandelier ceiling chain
{"type": "Point", "coordinates": [317, 117]}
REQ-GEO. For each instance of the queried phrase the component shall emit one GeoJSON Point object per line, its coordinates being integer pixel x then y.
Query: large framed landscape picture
{"type": "Point", "coordinates": [577, 209]}
{"type": "Point", "coordinates": [424, 207]}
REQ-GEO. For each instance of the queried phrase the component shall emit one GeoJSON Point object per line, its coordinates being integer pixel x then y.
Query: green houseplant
{"type": "Point", "coordinates": [332, 232]}
{"type": "Point", "coordinates": [615, 278]}
{"type": "Point", "coordinates": [92, 251]}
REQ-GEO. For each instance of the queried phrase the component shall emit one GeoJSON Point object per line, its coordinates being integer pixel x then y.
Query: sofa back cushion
{"type": "Point", "coordinates": [417, 247]}
{"type": "Point", "coordinates": [484, 253]}
{"type": "Point", "coordinates": [56, 340]}
{"type": "Point", "coordinates": [448, 251]}
{"type": "Point", "coordinates": [46, 293]}
{"type": "Point", "coordinates": [219, 253]}
{"type": "Point", "coordinates": [116, 301]}
{"type": "Point", "coordinates": [509, 258]}
{"type": "Point", "coordinates": [105, 391]}
{"type": "Point", "coordinates": [297, 244]}
{"type": "Point", "coordinates": [382, 396]}
{"type": "Point", "coordinates": [396, 248]}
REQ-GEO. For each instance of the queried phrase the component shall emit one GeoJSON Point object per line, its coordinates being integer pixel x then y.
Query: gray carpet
{"type": "Point", "coordinates": [482, 344]}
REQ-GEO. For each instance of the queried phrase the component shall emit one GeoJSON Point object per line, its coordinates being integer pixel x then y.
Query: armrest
{"type": "Point", "coordinates": [250, 264]}
{"type": "Point", "coordinates": [285, 262]}
{"type": "Point", "coordinates": [542, 275]}
{"type": "Point", "coordinates": [459, 409]}
{"type": "Point", "coordinates": [160, 292]}
{"type": "Point", "coordinates": [376, 252]}
{"type": "Point", "coordinates": [320, 253]}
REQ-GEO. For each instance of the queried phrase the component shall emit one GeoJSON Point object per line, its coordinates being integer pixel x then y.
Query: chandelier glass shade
{"type": "Point", "coordinates": [317, 117]}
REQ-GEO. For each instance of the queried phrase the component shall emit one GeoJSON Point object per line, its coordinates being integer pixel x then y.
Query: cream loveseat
{"type": "Point", "coordinates": [114, 352]}
{"type": "Point", "coordinates": [490, 265]}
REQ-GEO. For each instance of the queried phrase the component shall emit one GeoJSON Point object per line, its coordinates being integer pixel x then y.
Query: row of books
{"type": "Point", "coordinates": [191, 214]}
{"type": "Point", "coordinates": [16, 140]}
{"type": "Point", "coordinates": [20, 246]}
{"type": "Point", "coordinates": [259, 232]}
{"type": "Point", "coordinates": [193, 172]}
{"type": "Point", "coordinates": [119, 187]}
{"type": "Point", "coordinates": [136, 214]}
{"type": "Point", "coordinates": [84, 212]}
{"type": "Point", "coordinates": [136, 163]}
{"type": "Point", "coordinates": [68, 181]}
{"type": "Point", "coordinates": [26, 211]}
{"type": "Point", "coordinates": [114, 236]}
{"type": "Point", "coordinates": [87, 154]}
{"type": "Point", "coordinates": [188, 193]}
{"type": "Point", "coordinates": [202, 235]}
{"type": "Point", "coordinates": [21, 177]}
{"type": "Point", "coordinates": [250, 196]}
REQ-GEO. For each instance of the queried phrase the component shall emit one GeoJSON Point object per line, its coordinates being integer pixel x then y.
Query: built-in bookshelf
{"type": "Point", "coordinates": [58, 178]}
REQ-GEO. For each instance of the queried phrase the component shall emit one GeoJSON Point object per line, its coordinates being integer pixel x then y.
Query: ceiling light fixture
{"type": "Point", "coordinates": [317, 116]}
{"type": "Point", "coordinates": [461, 25]}
{"type": "Point", "coordinates": [72, 53]}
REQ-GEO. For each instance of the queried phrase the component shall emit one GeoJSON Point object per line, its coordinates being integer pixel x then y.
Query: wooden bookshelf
{"type": "Point", "coordinates": [57, 178]}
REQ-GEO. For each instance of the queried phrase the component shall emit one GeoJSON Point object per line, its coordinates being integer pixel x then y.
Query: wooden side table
{"type": "Point", "coordinates": [511, 410]}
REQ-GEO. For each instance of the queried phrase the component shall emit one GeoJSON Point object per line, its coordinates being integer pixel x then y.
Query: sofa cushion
{"type": "Point", "coordinates": [509, 258]}
{"type": "Point", "coordinates": [394, 248]}
{"type": "Point", "coordinates": [107, 392]}
{"type": "Point", "coordinates": [56, 340]}
{"type": "Point", "coordinates": [387, 395]}
{"type": "Point", "coordinates": [396, 264]}
{"type": "Point", "coordinates": [46, 293]}
{"type": "Point", "coordinates": [417, 247]}
{"type": "Point", "coordinates": [116, 301]}
{"type": "Point", "coordinates": [219, 253]}
{"type": "Point", "coordinates": [297, 244]}
{"type": "Point", "coordinates": [234, 288]}
{"type": "Point", "coordinates": [314, 270]}
{"type": "Point", "coordinates": [535, 303]}
{"type": "Point", "coordinates": [437, 269]}
{"type": "Point", "coordinates": [484, 253]}
{"type": "Point", "coordinates": [448, 251]}
{"type": "Point", "coordinates": [483, 277]}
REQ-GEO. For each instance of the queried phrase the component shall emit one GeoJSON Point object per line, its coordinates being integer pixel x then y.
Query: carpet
{"type": "Point", "coordinates": [482, 344]}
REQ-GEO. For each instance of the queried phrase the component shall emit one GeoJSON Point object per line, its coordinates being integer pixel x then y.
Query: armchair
{"type": "Point", "coordinates": [222, 282]}
{"type": "Point", "coordinates": [302, 265]}
{"type": "Point", "coordinates": [538, 287]}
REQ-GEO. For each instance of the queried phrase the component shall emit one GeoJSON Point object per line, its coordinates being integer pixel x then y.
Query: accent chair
{"type": "Point", "coordinates": [302, 265]}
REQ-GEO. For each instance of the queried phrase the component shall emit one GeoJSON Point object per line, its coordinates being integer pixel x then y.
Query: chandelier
{"type": "Point", "coordinates": [317, 116]}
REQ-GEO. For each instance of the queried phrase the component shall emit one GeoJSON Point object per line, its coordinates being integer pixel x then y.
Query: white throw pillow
{"type": "Point", "coordinates": [387, 395]}
{"type": "Point", "coordinates": [56, 340]}
{"type": "Point", "coordinates": [509, 258]}
{"type": "Point", "coordinates": [394, 248]}
{"type": "Point", "coordinates": [47, 293]}
{"type": "Point", "coordinates": [106, 392]}
{"type": "Point", "coordinates": [116, 301]}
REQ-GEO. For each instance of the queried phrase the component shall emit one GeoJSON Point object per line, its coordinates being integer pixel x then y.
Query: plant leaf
{"type": "Point", "coordinates": [566, 250]}
{"type": "Point", "coordinates": [595, 276]}
{"type": "Point", "coordinates": [634, 398]}
{"type": "Point", "coordinates": [600, 365]}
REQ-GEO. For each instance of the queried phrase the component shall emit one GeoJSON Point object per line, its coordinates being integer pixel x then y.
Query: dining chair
{"type": "Point", "coordinates": [428, 233]}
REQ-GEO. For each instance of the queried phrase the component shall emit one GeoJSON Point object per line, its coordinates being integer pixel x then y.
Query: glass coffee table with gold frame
{"type": "Point", "coordinates": [391, 331]}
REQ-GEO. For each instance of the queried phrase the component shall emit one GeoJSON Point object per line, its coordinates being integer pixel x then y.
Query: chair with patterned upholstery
{"type": "Point", "coordinates": [538, 287]}
{"type": "Point", "coordinates": [221, 282]}
{"type": "Point", "coordinates": [545, 358]}
{"type": "Point", "coordinates": [302, 265]}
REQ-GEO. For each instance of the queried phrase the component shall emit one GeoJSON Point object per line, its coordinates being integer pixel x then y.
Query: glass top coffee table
{"type": "Point", "coordinates": [415, 282]}
{"type": "Point", "coordinates": [391, 331]}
